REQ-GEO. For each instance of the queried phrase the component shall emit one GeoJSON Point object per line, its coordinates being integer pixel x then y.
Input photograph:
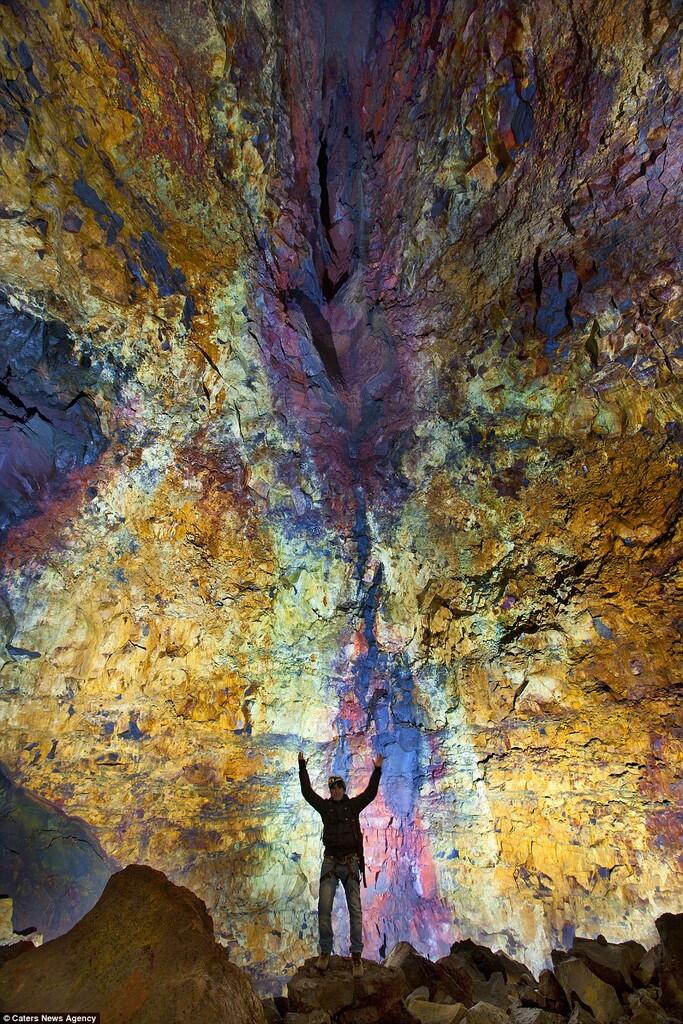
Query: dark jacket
{"type": "Point", "coordinates": [341, 827]}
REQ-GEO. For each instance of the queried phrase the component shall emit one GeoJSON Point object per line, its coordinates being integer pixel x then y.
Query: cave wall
{"type": "Point", "coordinates": [340, 409]}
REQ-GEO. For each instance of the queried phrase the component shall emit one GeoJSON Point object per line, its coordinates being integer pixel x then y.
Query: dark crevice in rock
{"type": "Point", "coordinates": [13, 400]}
{"type": "Point", "coordinates": [322, 163]}
{"type": "Point", "coordinates": [321, 334]}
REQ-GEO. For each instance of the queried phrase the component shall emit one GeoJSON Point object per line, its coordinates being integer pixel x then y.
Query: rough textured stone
{"type": "Point", "coordinates": [670, 928]}
{"type": "Point", "coordinates": [436, 1013]}
{"type": "Point", "coordinates": [486, 1013]}
{"type": "Point", "coordinates": [377, 996]}
{"type": "Point", "coordinates": [445, 978]}
{"type": "Point", "coordinates": [270, 1011]}
{"type": "Point", "coordinates": [579, 983]}
{"type": "Point", "coordinates": [145, 952]}
{"type": "Point", "coordinates": [485, 976]}
{"type": "Point", "coordinates": [314, 1017]}
{"type": "Point", "coordinates": [615, 963]}
{"type": "Point", "coordinates": [344, 411]}
{"type": "Point", "coordinates": [643, 1009]}
{"type": "Point", "coordinates": [648, 968]}
{"type": "Point", "coordinates": [422, 992]}
{"type": "Point", "coordinates": [580, 1016]}
{"type": "Point", "coordinates": [10, 950]}
{"type": "Point", "coordinates": [550, 988]}
{"type": "Point", "coordinates": [534, 1015]}
{"type": "Point", "coordinates": [52, 864]}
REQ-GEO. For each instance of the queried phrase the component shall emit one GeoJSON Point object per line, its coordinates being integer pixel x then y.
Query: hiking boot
{"type": "Point", "coordinates": [356, 966]}
{"type": "Point", "coordinates": [323, 961]}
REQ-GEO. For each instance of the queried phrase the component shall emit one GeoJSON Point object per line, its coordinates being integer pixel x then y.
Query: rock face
{"type": "Point", "coordinates": [8, 935]}
{"type": "Point", "coordinates": [146, 952]}
{"type": "Point", "coordinates": [340, 408]}
{"type": "Point", "coordinates": [52, 862]}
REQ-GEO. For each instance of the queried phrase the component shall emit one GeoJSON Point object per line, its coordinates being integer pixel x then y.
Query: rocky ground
{"type": "Point", "coordinates": [594, 980]}
{"type": "Point", "coordinates": [146, 953]}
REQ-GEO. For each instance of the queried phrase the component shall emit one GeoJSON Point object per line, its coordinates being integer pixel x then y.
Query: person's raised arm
{"type": "Point", "coordinates": [307, 791]}
{"type": "Point", "coordinates": [370, 792]}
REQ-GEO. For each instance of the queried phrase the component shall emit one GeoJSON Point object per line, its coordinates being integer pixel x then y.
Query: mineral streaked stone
{"type": "Point", "coordinates": [430, 507]}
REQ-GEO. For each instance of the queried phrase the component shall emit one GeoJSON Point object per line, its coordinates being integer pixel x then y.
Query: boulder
{"type": "Point", "coordinates": [484, 976]}
{"type": "Point", "coordinates": [377, 996]}
{"type": "Point", "coordinates": [614, 962]}
{"type": "Point", "coordinates": [270, 1011]}
{"type": "Point", "coordinates": [422, 992]}
{"type": "Point", "coordinates": [478, 975]}
{"type": "Point", "coordinates": [489, 963]}
{"type": "Point", "coordinates": [444, 978]}
{"type": "Point", "coordinates": [579, 983]}
{"type": "Point", "coordinates": [493, 990]}
{"type": "Point", "coordinates": [486, 1013]}
{"type": "Point", "coordinates": [581, 1016]}
{"type": "Point", "coordinates": [670, 928]}
{"type": "Point", "coordinates": [9, 952]}
{"type": "Point", "coordinates": [443, 996]}
{"type": "Point", "coordinates": [645, 1010]}
{"type": "Point", "coordinates": [146, 952]}
{"type": "Point", "coordinates": [436, 1013]}
{"type": "Point", "coordinates": [551, 992]}
{"type": "Point", "coordinates": [314, 1017]}
{"type": "Point", "coordinates": [417, 968]}
{"type": "Point", "coordinates": [534, 1015]}
{"type": "Point", "coordinates": [647, 970]}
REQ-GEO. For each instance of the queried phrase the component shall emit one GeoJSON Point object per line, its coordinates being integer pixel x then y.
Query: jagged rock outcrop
{"type": "Point", "coordinates": [376, 998]}
{"type": "Point", "coordinates": [340, 407]}
{"type": "Point", "coordinates": [146, 952]}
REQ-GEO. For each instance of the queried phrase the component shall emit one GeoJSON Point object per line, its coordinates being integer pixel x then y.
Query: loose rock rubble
{"type": "Point", "coordinates": [594, 981]}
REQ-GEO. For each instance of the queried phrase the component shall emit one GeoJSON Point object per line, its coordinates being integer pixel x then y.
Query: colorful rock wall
{"type": "Point", "coordinates": [340, 409]}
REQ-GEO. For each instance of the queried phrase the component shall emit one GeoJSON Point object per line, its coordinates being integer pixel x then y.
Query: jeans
{"type": "Point", "coordinates": [349, 876]}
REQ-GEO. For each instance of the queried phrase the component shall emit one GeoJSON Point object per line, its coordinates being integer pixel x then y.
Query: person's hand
{"type": "Point", "coordinates": [302, 759]}
{"type": "Point", "coordinates": [379, 761]}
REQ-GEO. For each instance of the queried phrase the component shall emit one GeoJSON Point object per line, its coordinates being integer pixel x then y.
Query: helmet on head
{"type": "Point", "coordinates": [336, 780]}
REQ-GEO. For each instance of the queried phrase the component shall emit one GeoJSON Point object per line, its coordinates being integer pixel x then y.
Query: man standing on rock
{"type": "Point", "coordinates": [342, 856]}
